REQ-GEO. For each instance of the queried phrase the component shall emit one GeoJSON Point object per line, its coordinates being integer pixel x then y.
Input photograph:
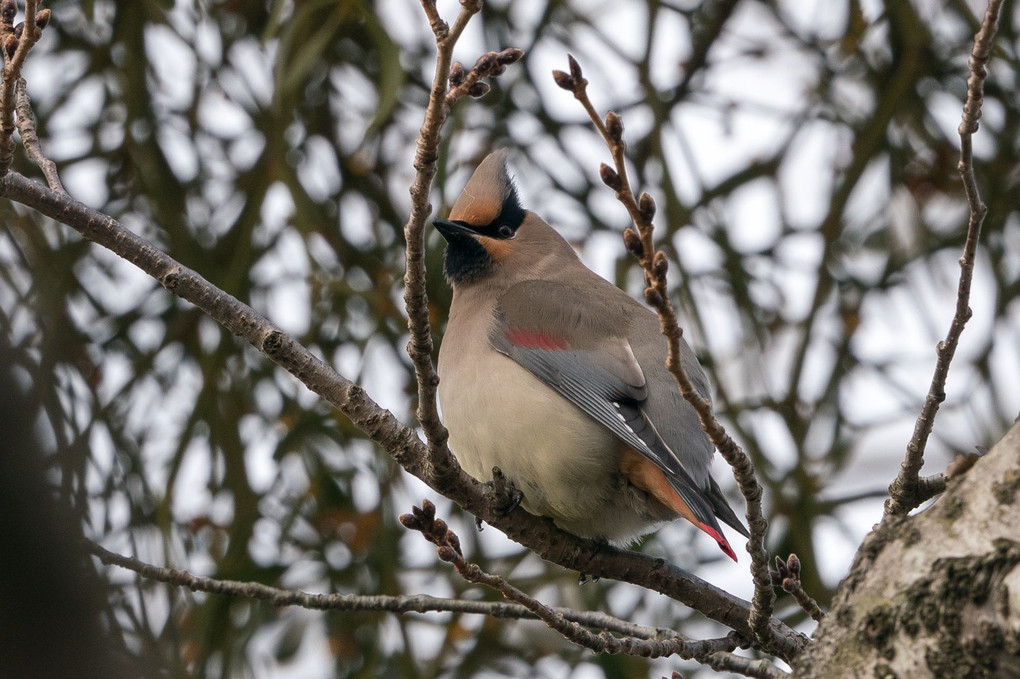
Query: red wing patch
{"type": "Point", "coordinates": [534, 339]}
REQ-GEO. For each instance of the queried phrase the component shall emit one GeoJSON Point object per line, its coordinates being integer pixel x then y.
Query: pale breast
{"type": "Point", "coordinates": [566, 464]}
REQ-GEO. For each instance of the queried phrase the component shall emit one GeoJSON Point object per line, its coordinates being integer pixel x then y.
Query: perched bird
{"type": "Point", "coordinates": [558, 377]}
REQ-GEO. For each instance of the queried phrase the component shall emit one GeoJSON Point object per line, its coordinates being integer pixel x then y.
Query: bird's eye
{"type": "Point", "coordinates": [505, 231]}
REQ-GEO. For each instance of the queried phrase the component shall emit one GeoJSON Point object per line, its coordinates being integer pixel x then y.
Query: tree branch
{"type": "Point", "coordinates": [30, 139]}
{"type": "Point", "coordinates": [906, 492]}
{"type": "Point", "coordinates": [379, 424]}
{"type": "Point", "coordinates": [760, 669]}
{"type": "Point", "coordinates": [15, 42]}
{"type": "Point", "coordinates": [448, 548]}
{"type": "Point", "coordinates": [654, 264]}
{"type": "Point", "coordinates": [419, 603]}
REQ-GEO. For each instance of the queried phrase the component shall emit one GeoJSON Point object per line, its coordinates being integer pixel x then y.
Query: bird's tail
{"type": "Point", "coordinates": [722, 508]}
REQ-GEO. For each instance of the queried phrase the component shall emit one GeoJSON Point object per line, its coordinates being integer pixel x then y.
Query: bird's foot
{"type": "Point", "coordinates": [505, 495]}
{"type": "Point", "coordinates": [508, 497]}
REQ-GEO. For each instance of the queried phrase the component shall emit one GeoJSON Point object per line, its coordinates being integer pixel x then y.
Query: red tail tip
{"type": "Point", "coordinates": [724, 545]}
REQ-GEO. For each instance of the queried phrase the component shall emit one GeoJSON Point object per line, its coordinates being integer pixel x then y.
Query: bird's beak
{"type": "Point", "coordinates": [454, 228]}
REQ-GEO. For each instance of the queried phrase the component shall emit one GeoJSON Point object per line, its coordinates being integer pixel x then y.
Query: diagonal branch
{"type": "Point", "coordinates": [435, 530]}
{"type": "Point", "coordinates": [654, 264]}
{"type": "Point", "coordinates": [379, 424]}
{"type": "Point", "coordinates": [906, 492]}
{"type": "Point", "coordinates": [30, 138]}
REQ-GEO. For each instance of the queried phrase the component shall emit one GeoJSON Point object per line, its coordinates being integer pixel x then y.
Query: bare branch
{"type": "Point", "coordinates": [448, 548]}
{"type": "Point", "coordinates": [654, 263]}
{"type": "Point", "coordinates": [15, 42]}
{"type": "Point", "coordinates": [380, 425]}
{"type": "Point", "coordinates": [30, 140]}
{"type": "Point", "coordinates": [420, 346]}
{"type": "Point", "coordinates": [489, 64]}
{"type": "Point", "coordinates": [418, 603]}
{"type": "Point", "coordinates": [906, 492]}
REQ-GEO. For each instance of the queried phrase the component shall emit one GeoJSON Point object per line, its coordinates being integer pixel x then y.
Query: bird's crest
{"type": "Point", "coordinates": [483, 198]}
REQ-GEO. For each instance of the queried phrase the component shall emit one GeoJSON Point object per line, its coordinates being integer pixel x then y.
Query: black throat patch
{"type": "Point", "coordinates": [466, 260]}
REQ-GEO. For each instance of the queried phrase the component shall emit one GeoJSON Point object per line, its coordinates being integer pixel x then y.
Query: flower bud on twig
{"type": "Point", "coordinates": [633, 243]}
{"type": "Point", "coordinates": [485, 62]}
{"type": "Point", "coordinates": [575, 68]}
{"type": "Point", "coordinates": [457, 74]}
{"type": "Point", "coordinates": [653, 297]}
{"type": "Point", "coordinates": [646, 206]}
{"type": "Point", "coordinates": [479, 90]}
{"type": "Point", "coordinates": [510, 55]}
{"type": "Point", "coordinates": [660, 265]}
{"type": "Point", "coordinates": [614, 127]}
{"type": "Point", "coordinates": [8, 9]}
{"type": "Point", "coordinates": [563, 80]}
{"type": "Point", "coordinates": [610, 178]}
{"type": "Point", "coordinates": [10, 45]}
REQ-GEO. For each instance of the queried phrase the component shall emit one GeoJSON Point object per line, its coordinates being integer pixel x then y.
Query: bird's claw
{"type": "Point", "coordinates": [508, 497]}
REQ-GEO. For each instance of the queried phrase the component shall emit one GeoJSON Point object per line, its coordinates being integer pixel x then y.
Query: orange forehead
{"type": "Point", "coordinates": [478, 210]}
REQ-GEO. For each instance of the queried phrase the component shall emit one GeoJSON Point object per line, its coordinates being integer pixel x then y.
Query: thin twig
{"type": "Point", "coordinates": [906, 492]}
{"type": "Point", "coordinates": [654, 263]}
{"type": "Point", "coordinates": [787, 576]}
{"type": "Point", "coordinates": [441, 98]}
{"type": "Point", "coordinates": [15, 44]}
{"type": "Point", "coordinates": [419, 603]}
{"type": "Point", "coordinates": [448, 548]}
{"type": "Point", "coordinates": [30, 138]}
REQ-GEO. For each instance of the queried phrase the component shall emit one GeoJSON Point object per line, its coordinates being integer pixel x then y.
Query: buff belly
{"type": "Point", "coordinates": [565, 464]}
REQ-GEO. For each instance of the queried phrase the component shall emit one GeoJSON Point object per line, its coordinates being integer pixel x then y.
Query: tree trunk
{"type": "Point", "coordinates": [936, 594]}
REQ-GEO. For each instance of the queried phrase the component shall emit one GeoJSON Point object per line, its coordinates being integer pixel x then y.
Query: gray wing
{"type": "Point", "coordinates": [560, 334]}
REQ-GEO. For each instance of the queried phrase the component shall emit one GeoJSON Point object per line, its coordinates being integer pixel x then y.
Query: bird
{"type": "Point", "coordinates": [557, 377]}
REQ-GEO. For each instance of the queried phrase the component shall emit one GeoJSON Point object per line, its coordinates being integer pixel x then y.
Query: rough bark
{"type": "Point", "coordinates": [936, 594]}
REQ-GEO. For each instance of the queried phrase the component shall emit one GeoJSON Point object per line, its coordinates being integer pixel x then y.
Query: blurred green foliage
{"type": "Point", "coordinates": [268, 146]}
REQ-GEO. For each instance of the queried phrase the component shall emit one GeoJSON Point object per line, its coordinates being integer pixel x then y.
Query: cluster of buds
{"type": "Point", "coordinates": [489, 64]}
{"type": "Point", "coordinates": [12, 33]}
{"type": "Point", "coordinates": [787, 572]}
{"type": "Point", "coordinates": [573, 81]}
{"type": "Point", "coordinates": [435, 531]}
{"type": "Point", "coordinates": [787, 576]}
